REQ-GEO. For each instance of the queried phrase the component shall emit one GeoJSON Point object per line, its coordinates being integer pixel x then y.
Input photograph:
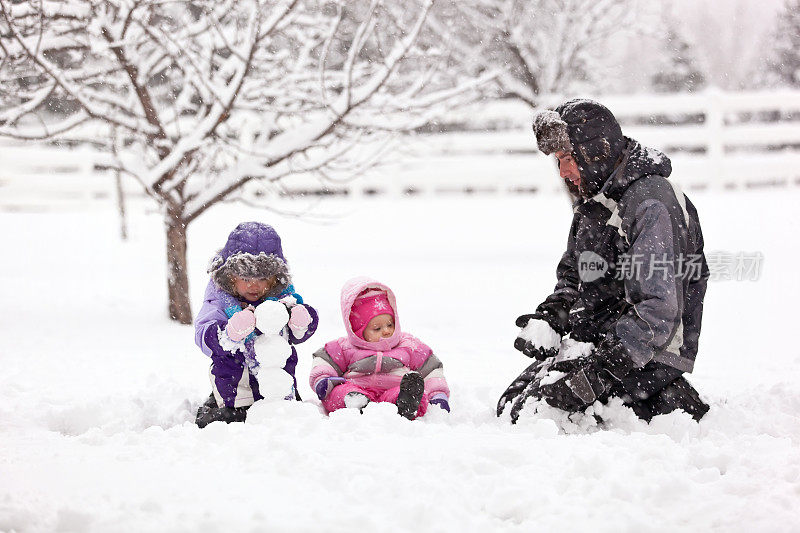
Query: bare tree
{"type": "Point", "coordinates": [539, 47]}
{"type": "Point", "coordinates": [206, 96]}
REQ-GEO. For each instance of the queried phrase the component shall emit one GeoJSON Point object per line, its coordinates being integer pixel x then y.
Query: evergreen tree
{"type": "Point", "coordinates": [785, 63]}
{"type": "Point", "coordinates": [679, 72]}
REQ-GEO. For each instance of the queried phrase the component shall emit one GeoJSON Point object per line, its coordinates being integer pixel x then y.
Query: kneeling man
{"type": "Point", "coordinates": [624, 318]}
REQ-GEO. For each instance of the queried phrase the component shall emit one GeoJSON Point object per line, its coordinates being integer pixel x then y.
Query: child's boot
{"type": "Point", "coordinates": [412, 386]}
{"type": "Point", "coordinates": [209, 412]}
{"type": "Point", "coordinates": [355, 400]}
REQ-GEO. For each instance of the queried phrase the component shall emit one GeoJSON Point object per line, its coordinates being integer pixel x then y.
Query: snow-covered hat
{"type": "Point", "coordinates": [366, 307]}
{"type": "Point", "coordinates": [551, 132]}
{"type": "Point", "coordinates": [589, 131]}
{"type": "Point", "coordinates": [253, 251]}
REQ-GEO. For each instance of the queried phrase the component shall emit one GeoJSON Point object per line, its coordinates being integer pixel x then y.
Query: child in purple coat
{"type": "Point", "coordinates": [248, 271]}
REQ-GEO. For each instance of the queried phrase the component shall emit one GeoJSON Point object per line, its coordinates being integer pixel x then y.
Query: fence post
{"type": "Point", "coordinates": [85, 168]}
{"type": "Point", "coordinates": [715, 125]}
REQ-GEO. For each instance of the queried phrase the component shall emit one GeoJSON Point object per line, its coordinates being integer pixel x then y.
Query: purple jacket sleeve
{"type": "Point", "coordinates": [210, 318]}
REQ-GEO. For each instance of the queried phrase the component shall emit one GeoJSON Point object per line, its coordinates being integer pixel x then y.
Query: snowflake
{"type": "Point", "coordinates": [382, 306]}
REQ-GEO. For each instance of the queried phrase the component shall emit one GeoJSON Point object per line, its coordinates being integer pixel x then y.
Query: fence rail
{"type": "Point", "coordinates": [715, 139]}
{"type": "Point", "coordinates": [33, 174]}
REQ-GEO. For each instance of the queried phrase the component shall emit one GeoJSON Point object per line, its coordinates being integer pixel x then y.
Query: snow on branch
{"type": "Point", "coordinates": [205, 96]}
{"type": "Point", "coordinates": [538, 47]}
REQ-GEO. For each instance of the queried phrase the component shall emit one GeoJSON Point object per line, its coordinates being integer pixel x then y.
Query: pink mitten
{"type": "Point", "coordinates": [240, 325]}
{"type": "Point", "coordinates": [299, 320]}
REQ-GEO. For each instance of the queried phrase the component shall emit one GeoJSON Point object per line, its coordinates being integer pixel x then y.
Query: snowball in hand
{"type": "Point", "coordinates": [272, 351]}
{"type": "Point", "coordinates": [572, 349]}
{"type": "Point", "coordinates": [271, 317]}
{"type": "Point", "coordinates": [274, 383]}
{"type": "Point", "coordinates": [541, 334]}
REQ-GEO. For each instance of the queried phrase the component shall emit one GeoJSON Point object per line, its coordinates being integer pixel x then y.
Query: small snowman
{"type": "Point", "coordinates": [272, 350]}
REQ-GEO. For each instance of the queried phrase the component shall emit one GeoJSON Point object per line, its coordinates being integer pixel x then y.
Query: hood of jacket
{"type": "Point", "coordinates": [253, 250]}
{"type": "Point", "coordinates": [350, 292]}
{"type": "Point", "coordinates": [596, 140]}
{"type": "Point", "coordinates": [637, 162]}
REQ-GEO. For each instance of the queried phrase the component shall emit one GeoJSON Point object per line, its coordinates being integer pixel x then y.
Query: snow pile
{"type": "Point", "coordinates": [96, 432]}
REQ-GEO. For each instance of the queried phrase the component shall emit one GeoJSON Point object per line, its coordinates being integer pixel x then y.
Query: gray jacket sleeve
{"type": "Point", "coordinates": [651, 285]}
{"type": "Point", "coordinates": [697, 275]}
{"type": "Point", "coordinates": [663, 234]}
{"type": "Point", "coordinates": [666, 287]}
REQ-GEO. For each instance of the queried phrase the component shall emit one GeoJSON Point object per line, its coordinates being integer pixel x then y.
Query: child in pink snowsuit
{"type": "Point", "coordinates": [376, 361]}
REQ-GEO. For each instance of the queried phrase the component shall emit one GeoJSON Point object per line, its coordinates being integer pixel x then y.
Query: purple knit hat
{"type": "Point", "coordinates": [253, 251]}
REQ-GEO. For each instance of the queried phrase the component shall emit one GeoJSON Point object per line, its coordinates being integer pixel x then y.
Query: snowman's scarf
{"type": "Point", "coordinates": [232, 307]}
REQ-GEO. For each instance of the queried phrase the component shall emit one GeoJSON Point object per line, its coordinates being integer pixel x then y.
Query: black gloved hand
{"type": "Point", "coordinates": [559, 395]}
{"type": "Point", "coordinates": [530, 391]}
{"type": "Point", "coordinates": [536, 339]}
{"type": "Point", "coordinates": [568, 366]}
{"type": "Point", "coordinates": [519, 385]}
{"type": "Point", "coordinates": [613, 357]}
{"type": "Point", "coordinates": [523, 320]}
{"type": "Point", "coordinates": [585, 381]}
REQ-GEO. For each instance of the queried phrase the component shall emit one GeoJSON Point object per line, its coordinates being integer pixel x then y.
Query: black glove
{"type": "Point", "coordinates": [531, 391]}
{"type": "Point", "coordinates": [570, 365]}
{"type": "Point", "coordinates": [585, 381]}
{"type": "Point", "coordinates": [518, 386]}
{"type": "Point", "coordinates": [560, 395]}
{"type": "Point", "coordinates": [534, 347]}
{"type": "Point", "coordinates": [613, 357]}
{"type": "Point", "coordinates": [556, 311]}
{"type": "Point", "coordinates": [523, 320]}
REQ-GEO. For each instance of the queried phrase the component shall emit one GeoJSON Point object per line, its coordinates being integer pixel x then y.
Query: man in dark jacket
{"type": "Point", "coordinates": [624, 319]}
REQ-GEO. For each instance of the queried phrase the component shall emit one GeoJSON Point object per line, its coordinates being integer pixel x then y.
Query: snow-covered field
{"type": "Point", "coordinates": [99, 389]}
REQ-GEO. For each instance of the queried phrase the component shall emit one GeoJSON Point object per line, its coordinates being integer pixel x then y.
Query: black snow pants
{"type": "Point", "coordinates": [658, 389]}
{"type": "Point", "coordinates": [652, 390]}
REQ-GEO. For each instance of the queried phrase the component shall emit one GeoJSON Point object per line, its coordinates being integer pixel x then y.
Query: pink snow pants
{"type": "Point", "coordinates": [335, 399]}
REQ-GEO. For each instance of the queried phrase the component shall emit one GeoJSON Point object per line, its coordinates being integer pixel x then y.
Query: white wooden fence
{"type": "Point", "coordinates": [733, 140]}
{"type": "Point", "coordinates": [32, 174]}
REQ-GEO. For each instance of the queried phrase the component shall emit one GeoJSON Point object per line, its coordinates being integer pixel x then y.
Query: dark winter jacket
{"type": "Point", "coordinates": [634, 267]}
{"type": "Point", "coordinates": [252, 250]}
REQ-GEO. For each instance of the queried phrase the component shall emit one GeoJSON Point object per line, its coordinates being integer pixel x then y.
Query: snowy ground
{"type": "Point", "coordinates": [99, 389]}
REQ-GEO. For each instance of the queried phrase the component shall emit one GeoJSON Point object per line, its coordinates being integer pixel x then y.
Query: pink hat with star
{"type": "Point", "coordinates": [367, 306]}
